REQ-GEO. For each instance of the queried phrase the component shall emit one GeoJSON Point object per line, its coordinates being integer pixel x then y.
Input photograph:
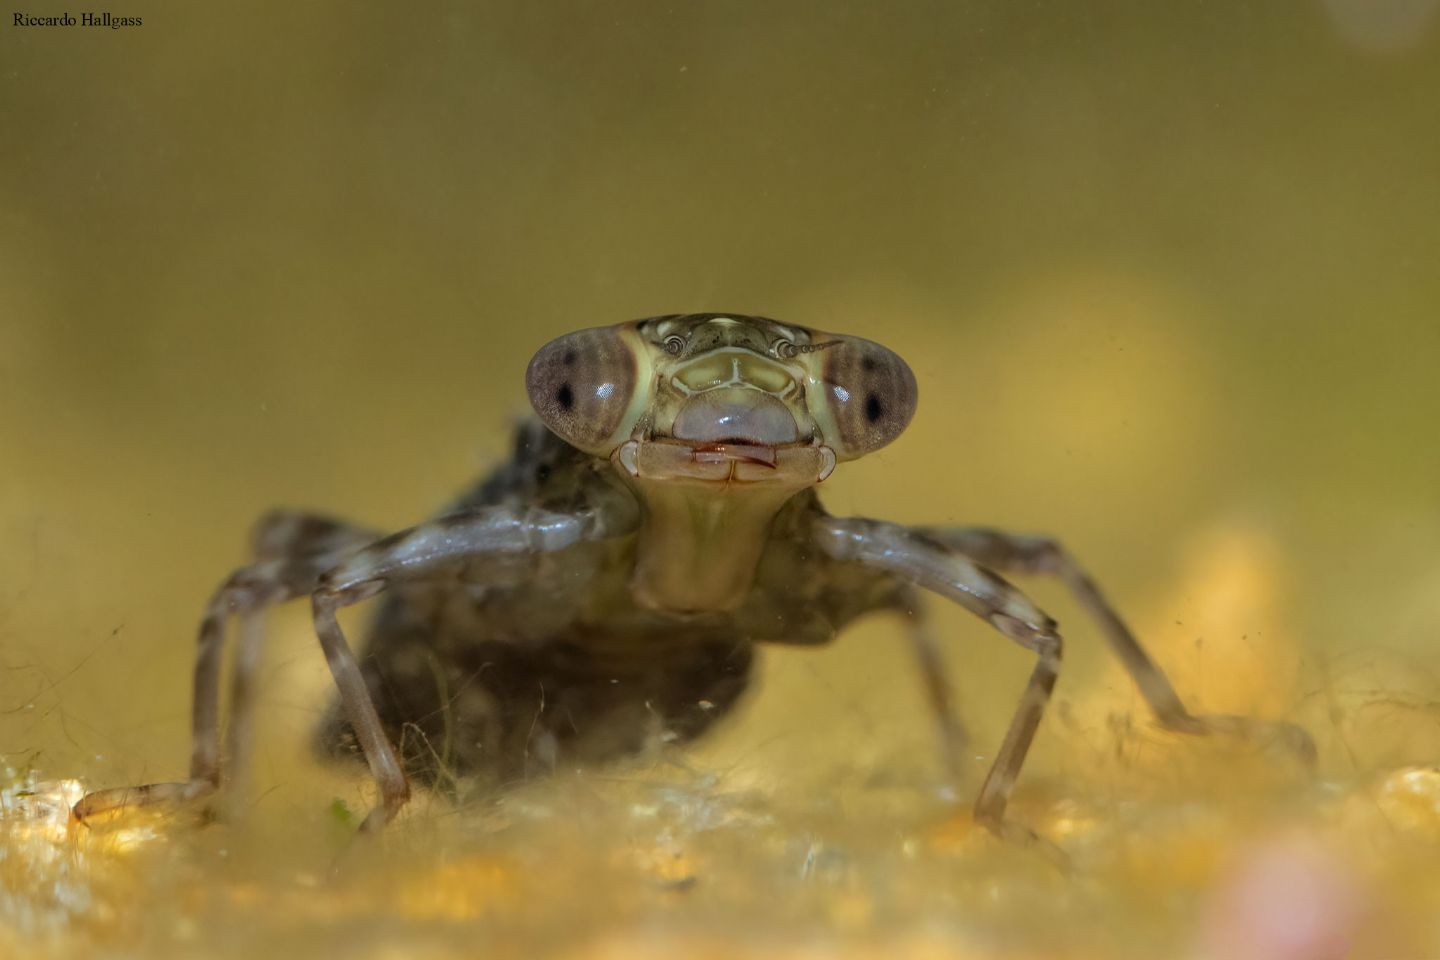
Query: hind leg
{"type": "Point", "coordinates": [290, 551]}
{"type": "Point", "coordinates": [1006, 552]}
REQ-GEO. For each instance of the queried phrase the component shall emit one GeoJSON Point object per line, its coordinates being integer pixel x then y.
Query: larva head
{"type": "Point", "coordinates": [721, 397]}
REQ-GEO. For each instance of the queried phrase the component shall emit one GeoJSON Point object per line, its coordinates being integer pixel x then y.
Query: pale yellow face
{"type": "Point", "coordinates": [721, 396]}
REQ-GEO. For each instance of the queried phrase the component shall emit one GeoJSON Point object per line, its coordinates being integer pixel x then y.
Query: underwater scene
{"type": "Point", "coordinates": [1168, 280]}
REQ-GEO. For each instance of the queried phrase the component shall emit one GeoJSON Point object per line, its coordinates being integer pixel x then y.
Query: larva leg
{"type": "Point", "coordinates": [938, 691]}
{"type": "Point", "coordinates": [1045, 555]}
{"type": "Point", "coordinates": [487, 545]}
{"type": "Point", "coordinates": [920, 561]}
{"type": "Point", "coordinates": [291, 550]}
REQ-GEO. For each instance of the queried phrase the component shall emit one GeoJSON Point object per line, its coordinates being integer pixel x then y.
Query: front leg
{"type": "Point", "coordinates": [916, 559]}
{"type": "Point", "coordinates": [493, 545]}
{"type": "Point", "coordinates": [1045, 555]}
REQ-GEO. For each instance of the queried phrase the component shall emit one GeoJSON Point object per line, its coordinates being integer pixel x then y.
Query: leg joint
{"type": "Point", "coordinates": [1048, 555]}
{"type": "Point", "coordinates": [329, 593]}
{"type": "Point", "coordinates": [1042, 638]}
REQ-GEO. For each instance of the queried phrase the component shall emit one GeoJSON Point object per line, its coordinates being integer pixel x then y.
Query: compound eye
{"type": "Point", "coordinates": [870, 393]}
{"type": "Point", "coordinates": [581, 386]}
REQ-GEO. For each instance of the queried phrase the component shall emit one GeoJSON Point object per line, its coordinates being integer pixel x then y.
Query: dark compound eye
{"type": "Point", "coordinates": [581, 386]}
{"type": "Point", "coordinates": [871, 395]}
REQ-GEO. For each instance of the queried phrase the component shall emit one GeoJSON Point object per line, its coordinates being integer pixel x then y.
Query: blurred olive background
{"type": "Point", "coordinates": [1166, 273]}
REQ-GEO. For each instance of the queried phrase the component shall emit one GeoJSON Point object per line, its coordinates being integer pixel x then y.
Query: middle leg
{"type": "Point", "coordinates": [291, 550]}
{"type": "Point", "coordinates": [304, 544]}
{"type": "Point", "coordinates": [938, 692]}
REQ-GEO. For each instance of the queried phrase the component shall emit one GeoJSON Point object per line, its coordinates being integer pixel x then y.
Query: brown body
{"type": "Point", "coordinates": [606, 588]}
{"type": "Point", "coordinates": [499, 684]}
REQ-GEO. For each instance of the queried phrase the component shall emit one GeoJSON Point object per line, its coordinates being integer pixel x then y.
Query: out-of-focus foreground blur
{"type": "Point", "coordinates": [1167, 276]}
